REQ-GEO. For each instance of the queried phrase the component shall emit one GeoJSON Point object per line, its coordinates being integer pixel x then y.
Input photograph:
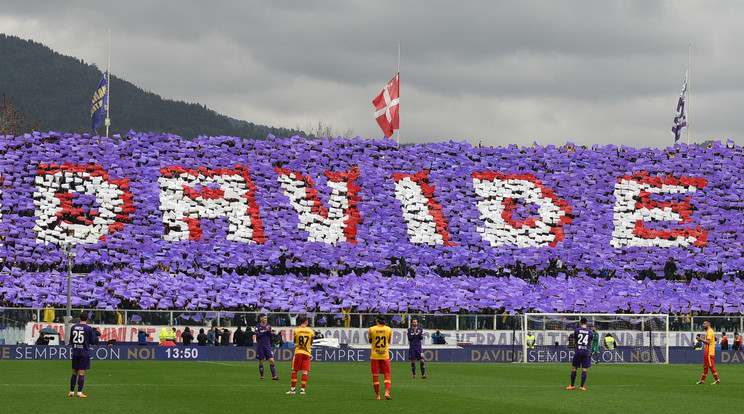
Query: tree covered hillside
{"type": "Point", "coordinates": [56, 90]}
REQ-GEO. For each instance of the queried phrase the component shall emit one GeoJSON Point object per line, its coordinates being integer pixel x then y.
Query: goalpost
{"type": "Point", "coordinates": [639, 338]}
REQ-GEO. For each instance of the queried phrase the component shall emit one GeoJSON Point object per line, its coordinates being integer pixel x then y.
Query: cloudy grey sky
{"type": "Point", "coordinates": [500, 72]}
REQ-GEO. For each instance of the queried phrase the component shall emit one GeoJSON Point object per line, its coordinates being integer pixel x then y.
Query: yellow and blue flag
{"type": "Point", "coordinates": [99, 106]}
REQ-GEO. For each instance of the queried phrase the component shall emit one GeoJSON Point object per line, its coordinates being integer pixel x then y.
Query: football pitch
{"type": "Point", "coordinates": [132, 387]}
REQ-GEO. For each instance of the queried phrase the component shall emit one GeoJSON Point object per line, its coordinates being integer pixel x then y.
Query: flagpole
{"type": "Point", "coordinates": [689, 61]}
{"type": "Point", "coordinates": [399, 93]}
{"type": "Point", "coordinates": [108, 86]}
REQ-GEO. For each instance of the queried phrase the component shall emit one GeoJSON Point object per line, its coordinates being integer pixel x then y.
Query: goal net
{"type": "Point", "coordinates": [635, 338]}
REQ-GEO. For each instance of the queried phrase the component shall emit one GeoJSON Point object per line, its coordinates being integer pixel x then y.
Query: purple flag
{"type": "Point", "coordinates": [99, 105]}
{"type": "Point", "coordinates": [680, 118]}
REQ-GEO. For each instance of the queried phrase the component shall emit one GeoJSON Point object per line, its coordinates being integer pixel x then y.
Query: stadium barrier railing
{"type": "Point", "coordinates": [12, 317]}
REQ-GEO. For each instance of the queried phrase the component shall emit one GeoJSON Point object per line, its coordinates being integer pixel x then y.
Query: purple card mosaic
{"type": "Point", "coordinates": [164, 222]}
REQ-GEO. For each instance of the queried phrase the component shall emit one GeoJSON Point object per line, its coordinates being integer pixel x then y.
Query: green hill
{"type": "Point", "coordinates": [57, 90]}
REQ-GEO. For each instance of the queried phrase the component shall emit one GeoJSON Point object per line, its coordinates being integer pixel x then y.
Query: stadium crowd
{"type": "Point", "coordinates": [433, 261]}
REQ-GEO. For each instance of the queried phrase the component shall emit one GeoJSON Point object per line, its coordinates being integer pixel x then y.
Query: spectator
{"type": "Point", "coordinates": [142, 337]}
{"type": "Point", "coordinates": [277, 341]}
{"type": "Point", "coordinates": [225, 337]}
{"type": "Point", "coordinates": [49, 314]}
{"type": "Point", "coordinates": [238, 337]}
{"type": "Point", "coordinates": [212, 337]}
{"type": "Point", "coordinates": [438, 338]}
{"type": "Point", "coordinates": [670, 269]}
{"type": "Point", "coordinates": [248, 336]}
{"type": "Point", "coordinates": [737, 342]}
{"type": "Point", "coordinates": [201, 339]}
{"type": "Point", "coordinates": [187, 336]}
{"type": "Point", "coordinates": [724, 342]}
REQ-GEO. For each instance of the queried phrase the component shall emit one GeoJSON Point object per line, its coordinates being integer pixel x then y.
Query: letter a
{"type": "Point", "coordinates": [424, 218]}
{"type": "Point", "coordinates": [335, 223]}
{"type": "Point", "coordinates": [188, 196]}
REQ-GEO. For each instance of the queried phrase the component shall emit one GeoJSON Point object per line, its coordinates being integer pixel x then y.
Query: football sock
{"type": "Point", "coordinates": [294, 379]}
{"type": "Point", "coordinates": [413, 368]}
{"type": "Point", "coordinates": [387, 383]}
{"type": "Point", "coordinates": [423, 369]}
{"type": "Point", "coordinates": [73, 381]}
{"type": "Point", "coordinates": [583, 378]}
{"type": "Point", "coordinates": [715, 373]}
{"type": "Point", "coordinates": [705, 373]}
{"type": "Point", "coordinates": [573, 378]}
{"type": "Point", "coordinates": [81, 382]}
{"type": "Point", "coordinates": [273, 370]}
{"type": "Point", "coordinates": [304, 381]}
{"type": "Point", "coordinates": [376, 384]}
{"type": "Point", "coordinates": [260, 369]}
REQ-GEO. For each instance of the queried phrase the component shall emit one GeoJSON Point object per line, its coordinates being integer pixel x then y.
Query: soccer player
{"type": "Point", "coordinates": [81, 336]}
{"type": "Point", "coordinates": [595, 344]}
{"type": "Point", "coordinates": [709, 353]}
{"type": "Point", "coordinates": [415, 336]}
{"type": "Point", "coordinates": [263, 346]}
{"type": "Point", "coordinates": [303, 338]}
{"type": "Point", "coordinates": [582, 356]}
{"type": "Point", "coordinates": [379, 338]}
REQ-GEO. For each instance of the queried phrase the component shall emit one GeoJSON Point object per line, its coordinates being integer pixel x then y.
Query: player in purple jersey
{"type": "Point", "coordinates": [81, 336]}
{"type": "Point", "coordinates": [263, 346]}
{"type": "Point", "coordinates": [582, 337]}
{"type": "Point", "coordinates": [415, 336]}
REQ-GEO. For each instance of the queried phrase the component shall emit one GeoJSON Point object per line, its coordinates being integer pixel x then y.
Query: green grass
{"type": "Point", "coordinates": [221, 387]}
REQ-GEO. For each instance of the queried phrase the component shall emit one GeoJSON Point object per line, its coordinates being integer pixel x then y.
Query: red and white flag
{"type": "Point", "coordinates": [386, 107]}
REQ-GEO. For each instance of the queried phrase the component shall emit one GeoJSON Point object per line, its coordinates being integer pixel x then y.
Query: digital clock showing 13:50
{"type": "Point", "coordinates": [180, 353]}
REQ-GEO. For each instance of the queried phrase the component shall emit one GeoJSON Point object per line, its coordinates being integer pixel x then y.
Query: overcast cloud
{"type": "Point", "coordinates": [589, 72]}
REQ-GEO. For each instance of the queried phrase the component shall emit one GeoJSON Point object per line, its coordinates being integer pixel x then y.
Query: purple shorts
{"type": "Point", "coordinates": [263, 352]}
{"type": "Point", "coordinates": [80, 362]}
{"type": "Point", "coordinates": [414, 355]}
{"type": "Point", "coordinates": [582, 360]}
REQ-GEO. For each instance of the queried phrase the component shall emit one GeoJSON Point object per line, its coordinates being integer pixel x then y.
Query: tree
{"type": "Point", "coordinates": [327, 130]}
{"type": "Point", "coordinates": [12, 120]}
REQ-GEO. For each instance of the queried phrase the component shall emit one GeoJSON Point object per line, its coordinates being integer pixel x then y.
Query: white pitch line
{"type": "Point", "coordinates": [217, 363]}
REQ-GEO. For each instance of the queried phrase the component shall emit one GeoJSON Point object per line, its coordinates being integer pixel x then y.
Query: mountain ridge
{"type": "Point", "coordinates": [57, 89]}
